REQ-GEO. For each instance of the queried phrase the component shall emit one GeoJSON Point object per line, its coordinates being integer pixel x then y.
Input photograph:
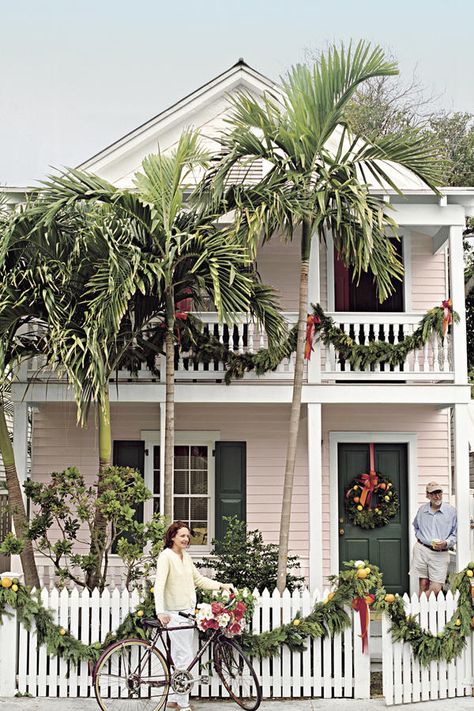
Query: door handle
{"type": "Point", "coordinates": [341, 531]}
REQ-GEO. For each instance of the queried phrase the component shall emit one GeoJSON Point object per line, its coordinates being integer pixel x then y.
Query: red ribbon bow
{"type": "Point", "coordinates": [359, 604]}
{"type": "Point", "coordinates": [369, 482]}
{"type": "Point", "coordinates": [311, 322]}
{"type": "Point", "coordinates": [446, 305]}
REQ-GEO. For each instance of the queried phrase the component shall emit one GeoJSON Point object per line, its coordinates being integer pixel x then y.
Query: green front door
{"type": "Point", "coordinates": [386, 546]}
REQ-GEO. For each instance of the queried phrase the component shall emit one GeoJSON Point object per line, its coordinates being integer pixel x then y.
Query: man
{"type": "Point", "coordinates": [435, 527]}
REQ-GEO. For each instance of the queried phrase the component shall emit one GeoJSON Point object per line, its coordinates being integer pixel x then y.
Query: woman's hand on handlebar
{"type": "Point", "coordinates": [164, 619]}
{"type": "Point", "coordinates": [228, 586]}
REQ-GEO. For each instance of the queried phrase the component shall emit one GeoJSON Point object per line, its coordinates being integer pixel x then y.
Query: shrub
{"type": "Point", "coordinates": [244, 559]}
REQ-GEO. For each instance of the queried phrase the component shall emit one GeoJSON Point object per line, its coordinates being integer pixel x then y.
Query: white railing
{"type": "Point", "coordinates": [333, 667]}
{"type": "Point", "coordinates": [432, 362]}
{"type": "Point", "coordinates": [404, 679]}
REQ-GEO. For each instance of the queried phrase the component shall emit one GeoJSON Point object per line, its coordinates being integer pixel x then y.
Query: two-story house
{"type": "Point", "coordinates": [231, 440]}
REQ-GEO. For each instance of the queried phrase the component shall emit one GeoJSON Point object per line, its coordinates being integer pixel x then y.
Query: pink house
{"type": "Point", "coordinates": [231, 440]}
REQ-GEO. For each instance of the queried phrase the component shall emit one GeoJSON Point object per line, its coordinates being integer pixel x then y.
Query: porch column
{"type": "Point", "coordinates": [315, 510]}
{"type": "Point", "coordinates": [162, 455]}
{"type": "Point", "coordinates": [20, 440]}
{"type": "Point", "coordinates": [461, 483]}
{"type": "Point", "coordinates": [456, 278]}
{"type": "Point", "coordinates": [314, 297]}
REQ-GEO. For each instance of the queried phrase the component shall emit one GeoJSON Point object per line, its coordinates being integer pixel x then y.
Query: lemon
{"type": "Point", "coordinates": [386, 498]}
{"type": "Point", "coordinates": [62, 631]}
{"type": "Point", "coordinates": [6, 582]}
{"type": "Point", "coordinates": [296, 621]}
{"type": "Point", "coordinates": [360, 508]}
{"type": "Point", "coordinates": [458, 622]}
{"type": "Point", "coordinates": [15, 588]}
{"type": "Point", "coordinates": [140, 613]}
{"type": "Point", "coordinates": [367, 570]}
{"type": "Point", "coordinates": [469, 573]}
{"type": "Point", "coordinates": [152, 590]}
{"type": "Point", "coordinates": [331, 595]}
{"type": "Point", "coordinates": [389, 597]}
{"type": "Point", "coordinates": [362, 573]}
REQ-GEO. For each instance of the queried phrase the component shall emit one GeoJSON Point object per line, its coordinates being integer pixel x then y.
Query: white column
{"type": "Point", "coordinates": [456, 278]}
{"type": "Point", "coordinates": [461, 483]}
{"type": "Point", "coordinates": [315, 510]}
{"type": "Point", "coordinates": [20, 439]}
{"type": "Point", "coordinates": [162, 455]}
{"type": "Point", "coordinates": [314, 297]}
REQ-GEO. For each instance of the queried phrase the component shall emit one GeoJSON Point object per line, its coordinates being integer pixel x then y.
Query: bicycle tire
{"type": "Point", "coordinates": [237, 674]}
{"type": "Point", "coordinates": [119, 683]}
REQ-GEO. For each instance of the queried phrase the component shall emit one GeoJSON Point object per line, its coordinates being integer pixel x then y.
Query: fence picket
{"type": "Point", "coordinates": [406, 661]}
{"type": "Point", "coordinates": [442, 666]}
{"type": "Point", "coordinates": [425, 672]}
{"type": "Point", "coordinates": [84, 621]}
{"type": "Point", "coordinates": [276, 662]}
{"type": "Point", "coordinates": [317, 649]}
{"type": "Point", "coordinates": [433, 628]}
{"type": "Point", "coordinates": [42, 656]}
{"type": "Point", "coordinates": [415, 664]}
{"type": "Point", "coordinates": [265, 627]}
{"type": "Point", "coordinates": [387, 661]}
{"type": "Point", "coordinates": [53, 661]}
{"type": "Point", "coordinates": [306, 655]}
{"type": "Point", "coordinates": [285, 653]}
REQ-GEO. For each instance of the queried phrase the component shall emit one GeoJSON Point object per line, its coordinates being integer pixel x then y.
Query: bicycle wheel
{"type": "Point", "coordinates": [237, 674]}
{"type": "Point", "coordinates": [131, 675]}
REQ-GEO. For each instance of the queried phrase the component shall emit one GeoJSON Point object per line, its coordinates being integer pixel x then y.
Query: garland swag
{"type": "Point", "coordinates": [204, 347]}
{"type": "Point", "coordinates": [352, 587]}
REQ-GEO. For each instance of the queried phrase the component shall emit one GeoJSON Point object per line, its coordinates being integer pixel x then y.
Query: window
{"type": "Point", "coordinates": [193, 482]}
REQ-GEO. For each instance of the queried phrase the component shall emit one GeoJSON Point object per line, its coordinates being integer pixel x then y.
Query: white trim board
{"type": "Point", "coordinates": [335, 438]}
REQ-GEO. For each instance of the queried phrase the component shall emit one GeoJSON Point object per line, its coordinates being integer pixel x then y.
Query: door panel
{"type": "Point", "coordinates": [231, 460]}
{"type": "Point", "coordinates": [387, 546]}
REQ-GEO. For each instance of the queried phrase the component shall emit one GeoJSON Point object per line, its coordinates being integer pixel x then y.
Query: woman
{"type": "Point", "coordinates": [175, 591]}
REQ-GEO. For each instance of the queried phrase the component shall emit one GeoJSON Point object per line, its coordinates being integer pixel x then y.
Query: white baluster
{"type": "Point", "coordinates": [426, 357]}
{"type": "Point", "coordinates": [376, 327]}
{"type": "Point", "coordinates": [240, 337]}
{"type": "Point", "coordinates": [396, 336]}
{"type": "Point", "coordinates": [346, 327]}
{"type": "Point", "coordinates": [251, 330]}
{"type": "Point", "coordinates": [261, 334]}
{"type": "Point", "coordinates": [446, 346]}
{"type": "Point", "coordinates": [386, 338]}
{"type": "Point", "coordinates": [435, 346]}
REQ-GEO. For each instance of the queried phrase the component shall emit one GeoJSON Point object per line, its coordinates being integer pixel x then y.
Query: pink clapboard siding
{"type": "Point", "coordinates": [429, 424]}
{"type": "Point", "coordinates": [428, 273]}
{"type": "Point", "coordinates": [58, 443]}
{"type": "Point", "coordinates": [278, 264]}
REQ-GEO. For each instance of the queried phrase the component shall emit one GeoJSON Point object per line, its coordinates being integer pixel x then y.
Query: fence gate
{"type": "Point", "coordinates": [404, 679]}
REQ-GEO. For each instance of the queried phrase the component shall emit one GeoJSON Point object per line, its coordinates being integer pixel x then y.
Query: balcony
{"type": "Point", "coordinates": [432, 363]}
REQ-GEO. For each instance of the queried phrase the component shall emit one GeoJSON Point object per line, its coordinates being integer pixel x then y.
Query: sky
{"type": "Point", "coordinates": [77, 75]}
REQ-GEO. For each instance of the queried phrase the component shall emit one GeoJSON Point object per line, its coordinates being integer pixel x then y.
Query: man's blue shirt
{"type": "Point", "coordinates": [441, 524]}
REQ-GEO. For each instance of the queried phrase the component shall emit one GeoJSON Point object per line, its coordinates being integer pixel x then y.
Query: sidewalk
{"type": "Point", "coordinates": [461, 704]}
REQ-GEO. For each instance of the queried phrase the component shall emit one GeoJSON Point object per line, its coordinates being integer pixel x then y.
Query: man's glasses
{"type": "Point", "coordinates": [438, 492]}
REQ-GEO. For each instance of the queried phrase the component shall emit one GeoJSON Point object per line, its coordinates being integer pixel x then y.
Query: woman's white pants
{"type": "Point", "coordinates": [182, 650]}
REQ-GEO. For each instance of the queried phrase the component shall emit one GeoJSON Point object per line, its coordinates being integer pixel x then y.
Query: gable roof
{"type": "Point", "coordinates": [208, 104]}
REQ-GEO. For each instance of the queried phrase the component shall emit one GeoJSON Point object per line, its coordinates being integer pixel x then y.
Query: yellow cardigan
{"type": "Point", "coordinates": [176, 582]}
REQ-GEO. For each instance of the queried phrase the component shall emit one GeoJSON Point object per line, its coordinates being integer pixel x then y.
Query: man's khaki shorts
{"type": "Point", "coordinates": [426, 563]}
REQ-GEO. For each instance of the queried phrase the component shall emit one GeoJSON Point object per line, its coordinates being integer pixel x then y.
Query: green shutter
{"type": "Point", "coordinates": [231, 474]}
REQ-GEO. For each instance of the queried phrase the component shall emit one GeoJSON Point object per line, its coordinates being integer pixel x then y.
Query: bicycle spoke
{"type": "Point", "coordinates": [237, 674]}
{"type": "Point", "coordinates": [132, 676]}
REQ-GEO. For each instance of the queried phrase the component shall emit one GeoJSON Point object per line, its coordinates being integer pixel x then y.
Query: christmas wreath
{"type": "Point", "coordinates": [371, 500]}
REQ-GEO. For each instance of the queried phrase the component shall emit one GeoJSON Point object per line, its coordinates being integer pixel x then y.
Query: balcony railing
{"type": "Point", "coordinates": [432, 363]}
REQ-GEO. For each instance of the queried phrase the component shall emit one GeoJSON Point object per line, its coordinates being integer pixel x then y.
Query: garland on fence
{"type": "Point", "coordinates": [205, 348]}
{"type": "Point", "coordinates": [351, 587]}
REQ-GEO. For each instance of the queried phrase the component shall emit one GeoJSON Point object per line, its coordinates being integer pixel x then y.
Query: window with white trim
{"type": "Point", "coordinates": [193, 482]}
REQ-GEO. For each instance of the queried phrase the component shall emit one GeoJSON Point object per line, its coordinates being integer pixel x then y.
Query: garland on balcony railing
{"type": "Point", "coordinates": [206, 348]}
{"type": "Point", "coordinates": [359, 586]}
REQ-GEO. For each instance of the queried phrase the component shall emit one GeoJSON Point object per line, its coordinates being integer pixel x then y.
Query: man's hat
{"type": "Point", "coordinates": [433, 486]}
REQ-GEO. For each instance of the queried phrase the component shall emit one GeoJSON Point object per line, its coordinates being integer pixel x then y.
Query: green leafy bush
{"type": "Point", "coordinates": [244, 559]}
{"type": "Point", "coordinates": [65, 512]}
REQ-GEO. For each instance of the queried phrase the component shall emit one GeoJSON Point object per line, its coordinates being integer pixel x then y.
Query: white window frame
{"type": "Point", "coordinates": [190, 438]}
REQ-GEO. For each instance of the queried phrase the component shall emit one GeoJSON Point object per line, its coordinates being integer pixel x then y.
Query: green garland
{"type": "Point", "coordinates": [205, 348]}
{"type": "Point", "coordinates": [386, 504]}
{"type": "Point", "coordinates": [327, 618]}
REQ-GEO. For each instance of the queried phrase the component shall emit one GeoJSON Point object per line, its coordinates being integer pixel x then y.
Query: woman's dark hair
{"type": "Point", "coordinates": [172, 531]}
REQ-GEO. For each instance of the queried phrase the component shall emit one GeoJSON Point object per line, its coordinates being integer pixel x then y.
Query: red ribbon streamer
{"type": "Point", "coordinates": [370, 481]}
{"type": "Point", "coordinates": [359, 604]}
{"type": "Point", "coordinates": [311, 322]}
{"type": "Point", "coordinates": [446, 305]}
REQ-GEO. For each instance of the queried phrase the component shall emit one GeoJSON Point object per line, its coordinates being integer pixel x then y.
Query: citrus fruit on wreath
{"type": "Point", "coordinates": [371, 501]}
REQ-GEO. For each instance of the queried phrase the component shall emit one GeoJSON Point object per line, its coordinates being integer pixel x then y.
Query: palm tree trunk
{"type": "Point", "coordinates": [16, 503]}
{"type": "Point", "coordinates": [99, 530]}
{"type": "Point", "coordinates": [169, 417]}
{"type": "Point", "coordinates": [285, 519]}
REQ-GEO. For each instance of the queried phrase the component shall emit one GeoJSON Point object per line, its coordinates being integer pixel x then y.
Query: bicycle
{"type": "Point", "coordinates": [135, 674]}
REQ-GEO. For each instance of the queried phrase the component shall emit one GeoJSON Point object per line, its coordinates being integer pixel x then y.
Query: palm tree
{"type": "Point", "coordinates": [155, 251]}
{"type": "Point", "coordinates": [317, 180]}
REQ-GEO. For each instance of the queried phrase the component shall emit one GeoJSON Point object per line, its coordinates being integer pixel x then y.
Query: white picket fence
{"type": "Point", "coordinates": [404, 679]}
{"type": "Point", "coordinates": [326, 668]}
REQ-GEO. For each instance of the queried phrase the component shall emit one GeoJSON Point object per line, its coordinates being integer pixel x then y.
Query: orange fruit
{"type": "Point", "coordinates": [6, 582]}
{"type": "Point", "coordinates": [356, 499]}
{"type": "Point", "coordinates": [389, 597]}
{"type": "Point", "coordinates": [362, 573]}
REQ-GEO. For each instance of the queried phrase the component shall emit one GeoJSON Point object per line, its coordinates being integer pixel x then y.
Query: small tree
{"type": "Point", "coordinates": [247, 561]}
{"type": "Point", "coordinates": [67, 506]}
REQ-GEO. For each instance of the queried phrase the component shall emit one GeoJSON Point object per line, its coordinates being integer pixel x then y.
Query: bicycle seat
{"type": "Point", "coordinates": [151, 623]}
